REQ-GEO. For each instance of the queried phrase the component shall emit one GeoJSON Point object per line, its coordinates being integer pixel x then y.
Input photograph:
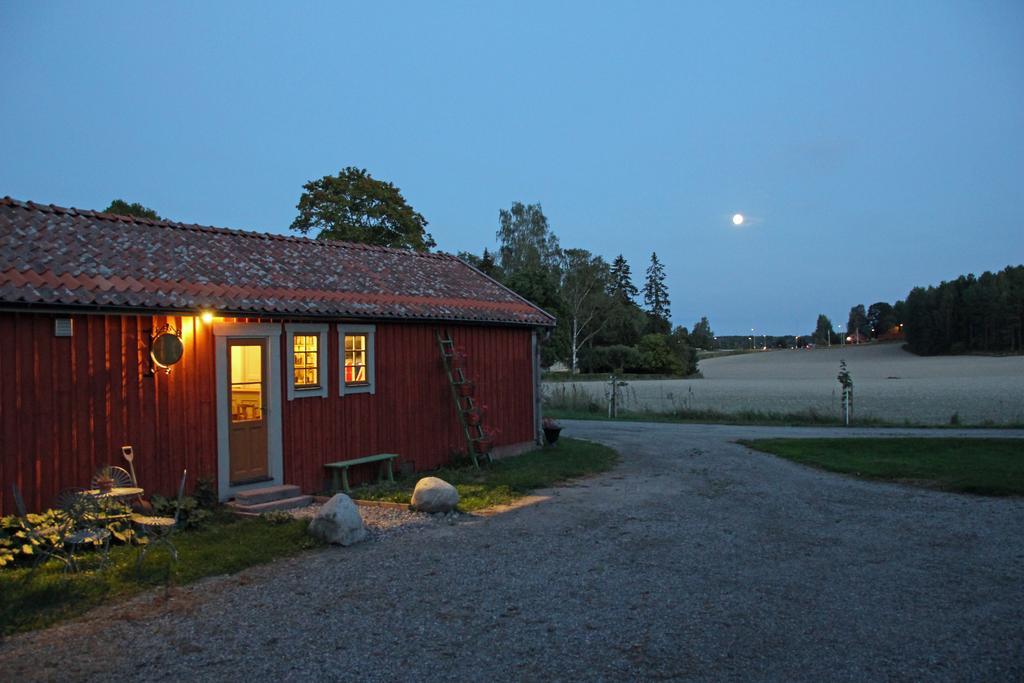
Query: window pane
{"type": "Point", "coordinates": [246, 364]}
{"type": "Point", "coordinates": [246, 383]}
{"type": "Point", "coordinates": [356, 355]}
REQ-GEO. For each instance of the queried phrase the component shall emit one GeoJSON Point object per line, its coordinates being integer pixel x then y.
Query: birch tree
{"type": "Point", "coordinates": [585, 294]}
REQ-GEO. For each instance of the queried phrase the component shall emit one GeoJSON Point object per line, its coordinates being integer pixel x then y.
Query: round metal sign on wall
{"type": "Point", "coordinates": [166, 348]}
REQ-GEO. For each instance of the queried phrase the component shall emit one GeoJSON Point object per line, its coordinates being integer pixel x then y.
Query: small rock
{"type": "Point", "coordinates": [338, 521]}
{"type": "Point", "coordinates": [434, 495]}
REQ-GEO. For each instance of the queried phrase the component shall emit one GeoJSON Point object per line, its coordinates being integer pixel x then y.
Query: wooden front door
{"type": "Point", "coordinates": [247, 409]}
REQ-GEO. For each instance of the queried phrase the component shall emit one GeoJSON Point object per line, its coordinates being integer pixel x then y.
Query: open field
{"type": "Point", "coordinates": [889, 384]}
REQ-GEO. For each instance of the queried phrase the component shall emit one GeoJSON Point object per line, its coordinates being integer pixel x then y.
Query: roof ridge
{"type": "Point", "coordinates": [195, 227]}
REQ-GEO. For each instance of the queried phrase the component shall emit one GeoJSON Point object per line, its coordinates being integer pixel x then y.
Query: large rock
{"type": "Point", "coordinates": [338, 521]}
{"type": "Point", "coordinates": [434, 495]}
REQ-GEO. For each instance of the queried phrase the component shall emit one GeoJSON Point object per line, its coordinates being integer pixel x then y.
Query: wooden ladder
{"type": "Point", "coordinates": [470, 417]}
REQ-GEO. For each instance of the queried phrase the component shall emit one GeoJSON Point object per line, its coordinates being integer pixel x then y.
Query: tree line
{"type": "Point", "coordinates": [968, 314]}
{"type": "Point", "coordinates": [602, 326]}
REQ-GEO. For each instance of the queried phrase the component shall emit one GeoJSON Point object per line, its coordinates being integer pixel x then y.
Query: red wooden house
{"type": "Point", "coordinates": [295, 353]}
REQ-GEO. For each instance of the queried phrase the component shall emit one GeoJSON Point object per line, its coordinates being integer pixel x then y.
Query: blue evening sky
{"type": "Point", "coordinates": [874, 146]}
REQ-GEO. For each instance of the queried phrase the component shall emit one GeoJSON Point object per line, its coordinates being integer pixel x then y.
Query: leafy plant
{"type": "Point", "coordinates": [20, 536]}
{"type": "Point", "coordinates": [192, 516]}
{"type": "Point", "coordinates": [206, 494]}
{"type": "Point", "coordinates": [277, 517]}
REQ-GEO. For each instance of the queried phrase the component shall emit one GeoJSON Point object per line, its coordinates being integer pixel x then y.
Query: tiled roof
{"type": "Point", "coordinates": [70, 257]}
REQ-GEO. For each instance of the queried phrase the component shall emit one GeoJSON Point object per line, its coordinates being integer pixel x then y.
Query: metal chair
{"type": "Point", "coordinates": [118, 475]}
{"type": "Point", "coordinates": [160, 529]}
{"type": "Point", "coordinates": [84, 513]}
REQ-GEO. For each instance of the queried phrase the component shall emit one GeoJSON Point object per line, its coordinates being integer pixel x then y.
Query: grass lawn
{"type": "Point", "coordinates": [30, 600]}
{"type": "Point", "coordinates": [993, 467]}
{"type": "Point", "coordinates": [743, 417]}
{"type": "Point", "coordinates": [506, 480]}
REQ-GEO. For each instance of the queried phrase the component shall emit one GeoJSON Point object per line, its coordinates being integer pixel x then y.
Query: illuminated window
{"type": "Point", "coordinates": [247, 382]}
{"type": "Point", "coordinates": [357, 359]}
{"type": "Point", "coordinates": [306, 363]}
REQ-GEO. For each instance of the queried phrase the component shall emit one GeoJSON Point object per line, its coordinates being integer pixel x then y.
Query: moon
{"type": "Point", "coordinates": [737, 219]}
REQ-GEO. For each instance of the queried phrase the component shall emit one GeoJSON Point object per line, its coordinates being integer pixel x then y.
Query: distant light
{"type": "Point", "coordinates": [737, 219]}
{"type": "Point", "coordinates": [207, 317]}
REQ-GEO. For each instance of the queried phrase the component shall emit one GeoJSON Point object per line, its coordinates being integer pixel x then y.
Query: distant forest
{"type": "Point", "coordinates": [970, 313]}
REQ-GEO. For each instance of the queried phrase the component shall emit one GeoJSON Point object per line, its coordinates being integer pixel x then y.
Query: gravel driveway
{"type": "Point", "coordinates": [694, 559]}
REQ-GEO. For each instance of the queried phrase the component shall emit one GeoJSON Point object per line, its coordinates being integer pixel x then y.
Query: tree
{"type": "Point", "coordinates": [702, 337]}
{"type": "Point", "coordinates": [526, 242]}
{"type": "Point", "coordinates": [355, 207]}
{"type": "Point", "coordinates": [120, 207]}
{"type": "Point", "coordinates": [858, 321]}
{"type": "Point", "coordinates": [881, 318]}
{"type": "Point", "coordinates": [657, 356]}
{"type": "Point", "coordinates": [530, 259]}
{"type": "Point", "coordinates": [621, 282]}
{"type": "Point", "coordinates": [484, 263]}
{"type": "Point", "coordinates": [823, 332]}
{"type": "Point", "coordinates": [624, 324]}
{"type": "Point", "coordinates": [584, 291]}
{"type": "Point", "coordinates": [656, 297]}
{"type": "Point", "coordinates": [685, 350]}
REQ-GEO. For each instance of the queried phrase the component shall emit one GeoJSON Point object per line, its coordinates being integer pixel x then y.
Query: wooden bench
{"type": "Point", "coordinates": [343, 465]}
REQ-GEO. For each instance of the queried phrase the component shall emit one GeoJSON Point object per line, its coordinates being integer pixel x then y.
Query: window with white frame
{"type": "Point", "coordinates": [357, 359]}
{"type": "Point", "coordinates": [307, 360]}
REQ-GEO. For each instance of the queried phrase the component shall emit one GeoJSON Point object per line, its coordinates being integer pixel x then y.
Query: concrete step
{"type": "Point", "coordinates": [267, 494]}
{"type": "Point", "coordinates": [268, 506]}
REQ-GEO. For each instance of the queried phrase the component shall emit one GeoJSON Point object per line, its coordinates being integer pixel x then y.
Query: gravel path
{"type": "Point", "coordinates": [695, 559]}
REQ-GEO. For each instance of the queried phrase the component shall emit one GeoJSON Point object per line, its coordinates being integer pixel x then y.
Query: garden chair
{"type": "Point", "coordinates": [160, 529]}
{"type": "Point", "coordinates": [46, 538]}
{"type": "Point", "coordinates": [86, 526]}
{"type": "Point", "coordinates": [118, 475]}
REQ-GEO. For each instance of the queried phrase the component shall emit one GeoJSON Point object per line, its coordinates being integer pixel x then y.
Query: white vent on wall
{"type": "Point", "coordinates": [63, 327]}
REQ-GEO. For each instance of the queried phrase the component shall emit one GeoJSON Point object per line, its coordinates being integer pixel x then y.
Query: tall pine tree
{"type": "Point", "coordinates": [621, 284]}
{"type": "Point", "coordinates": [656, 297]}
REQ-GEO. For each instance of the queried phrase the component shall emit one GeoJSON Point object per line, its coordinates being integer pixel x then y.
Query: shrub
{"type": "Point", "coordinates": [277, 517]}
{"type": "Point", "coordinates": [615, 358]}
{"type": "Point", "coordinates": [192, 516]}
{"type": "Point", "coordinates": [17, 544]}
{"type": "Point", "coordinates": [657, 356]}
{"type": "Point", "coordinates": [206, 494]}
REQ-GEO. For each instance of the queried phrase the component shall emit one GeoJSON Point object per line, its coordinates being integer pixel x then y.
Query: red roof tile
{"type": "Point", "coordinates": [53, 255]}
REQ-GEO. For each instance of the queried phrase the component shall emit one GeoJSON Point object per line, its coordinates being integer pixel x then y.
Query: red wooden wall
{"type": "Point", "coordinates": [67, 405]}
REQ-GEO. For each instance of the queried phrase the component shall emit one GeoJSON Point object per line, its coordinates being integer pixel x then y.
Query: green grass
{"type": "Point", "coordinates": [506, 480]}
{"type": "Point", "coordinates": [568, 377]}
{"type": "Point", "coordinates": [993, 467]}
{"type": "Point", "coordinates": [808, 418]}
{"type": "Point", "coordinates": [30, 600]}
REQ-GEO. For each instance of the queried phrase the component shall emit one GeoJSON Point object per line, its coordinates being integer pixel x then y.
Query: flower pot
{"type": "Point", "coordinates": [465, 389]}
{"type": "Point", "coordinates": [551, 434]}
{"type": "Point", "coordinates": [105, 485]}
